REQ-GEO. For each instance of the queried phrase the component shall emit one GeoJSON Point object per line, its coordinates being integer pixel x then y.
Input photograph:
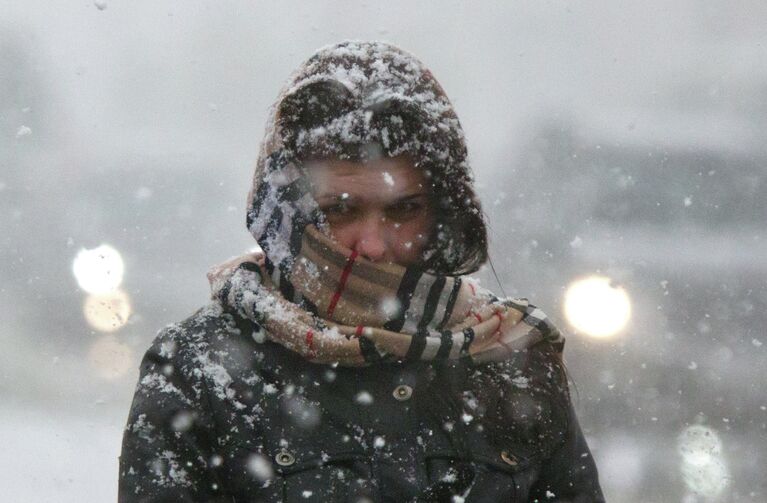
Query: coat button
{"type": "Point", "coordinates": [508, 458]}
{"type": "Point", "coordinates": [403, 392]}
{"type": "Point", "coordinates": [284, 458]}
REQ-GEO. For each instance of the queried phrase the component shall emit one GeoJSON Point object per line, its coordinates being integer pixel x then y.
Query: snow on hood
{"type": "Point", "coordinates": [354, 94]}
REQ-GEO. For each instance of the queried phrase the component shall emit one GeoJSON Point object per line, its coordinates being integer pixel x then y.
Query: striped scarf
{"type": "Point", "coordinates": [348, 310]}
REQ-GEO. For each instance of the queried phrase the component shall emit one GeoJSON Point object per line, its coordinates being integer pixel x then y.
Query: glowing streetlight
{"type": "Point", "coordinates": [98, 270]}
{"type": "Point", "coordinates": [107, 312]}
{"type": "Point", "coordinates": [596, 307]}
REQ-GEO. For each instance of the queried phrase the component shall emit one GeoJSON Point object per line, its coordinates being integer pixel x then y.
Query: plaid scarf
{"type": "Point", "coordinates": [348, 310]}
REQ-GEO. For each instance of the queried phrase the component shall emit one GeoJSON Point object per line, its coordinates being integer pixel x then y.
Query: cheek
{"type": "Point", "coordinates": [411, 237]}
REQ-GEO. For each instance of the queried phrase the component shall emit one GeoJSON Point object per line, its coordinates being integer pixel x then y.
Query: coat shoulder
{"type": "Point", "coordinates": [210, 330]}
{"type": "Point", "coordinates": [210, 350]}
{"type": "Point", "coordinates": [197, 332]}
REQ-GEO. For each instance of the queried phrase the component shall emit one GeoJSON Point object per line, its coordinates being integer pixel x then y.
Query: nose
{"type": "Point", "coordinates": [371, 241]}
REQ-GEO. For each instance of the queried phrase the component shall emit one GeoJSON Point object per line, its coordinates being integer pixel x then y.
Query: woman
{"type": "Point", "coordinates": [354, 360]}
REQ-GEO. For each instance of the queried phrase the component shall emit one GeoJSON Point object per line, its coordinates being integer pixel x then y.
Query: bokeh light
{"type": "Point", "coordinates": [99, 270]}
{"type": "Point", "coordinates": [110, 358]}
{"type": "Point", "coordinates": [597, 308]}
{"type": "Point", "coordinates": [107, 312]}
{"type": "Point", "coordinates": [703, 469]}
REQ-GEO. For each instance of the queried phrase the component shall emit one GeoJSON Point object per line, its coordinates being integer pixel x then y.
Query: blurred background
{"type": "Point", "coordinates": [620, 150]}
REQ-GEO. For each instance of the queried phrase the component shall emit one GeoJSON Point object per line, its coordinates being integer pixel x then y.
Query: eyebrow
{"type": "Point", "coordinates": [340, 197]}
{"type": "Point", "coordinates": [413, 196]}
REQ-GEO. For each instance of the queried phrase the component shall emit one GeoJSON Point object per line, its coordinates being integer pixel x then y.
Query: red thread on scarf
{"type": "Point", "coordinates": [342, 282]}
{"type": "Point", "coordinates": [310, 342]}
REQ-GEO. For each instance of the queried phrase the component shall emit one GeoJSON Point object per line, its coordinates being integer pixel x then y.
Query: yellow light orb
{"type": "Point", "coordinates": [99, 270]}
{"type": "Point", "coordinates": [107, 312]}
{"type": "Point", "coordinates": [597, 308]}
{"type": "Point", "coordinates": [110, 358]}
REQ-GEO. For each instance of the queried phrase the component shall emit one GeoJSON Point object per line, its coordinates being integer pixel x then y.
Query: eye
{"type": "Point", "coordinates": [338, 211]}
{"type": "Point", "coordinates": [405, 210]}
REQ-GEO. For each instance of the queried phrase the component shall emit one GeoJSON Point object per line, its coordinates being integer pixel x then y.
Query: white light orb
{"type": "Point", "coordinates": [699, 444]}
{"type": "Point", "coordinates": [107, 312]}
{"type": "Point", "coordinates": [703, 469]}
{"type": "Point", "coordinates": [597, 308]}
{"type": "Point", "coordinates": [708, 480]}
{"type": "Point", "coordinates": [98, 270]}
{"type": "Point", "coordinates": [110, 358]}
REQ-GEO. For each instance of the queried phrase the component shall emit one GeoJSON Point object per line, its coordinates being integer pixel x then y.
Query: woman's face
{"type": "Point", "coordinates": [380, 208]}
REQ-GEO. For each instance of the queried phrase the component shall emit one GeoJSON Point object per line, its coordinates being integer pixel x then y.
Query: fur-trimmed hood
{"type": "Point", "coordinates": [355, 94]}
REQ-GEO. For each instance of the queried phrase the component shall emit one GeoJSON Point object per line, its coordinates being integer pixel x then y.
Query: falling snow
{"type": "Point", "coordinates": [364, 398]}
{"type": "Point", "coordinates": [23, 131]}
{"type": "Point", "coordinates": [664, 198]}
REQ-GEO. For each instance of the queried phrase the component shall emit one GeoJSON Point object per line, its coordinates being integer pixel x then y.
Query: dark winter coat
{"type": "Point", "coordinates": [218, 416]}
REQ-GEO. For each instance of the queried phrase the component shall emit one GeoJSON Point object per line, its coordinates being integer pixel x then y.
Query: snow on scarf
{"type": "Point", "coordinates": [354, 312]}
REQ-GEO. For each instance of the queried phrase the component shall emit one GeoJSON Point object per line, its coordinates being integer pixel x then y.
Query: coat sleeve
{"type": "Point", "coordinates": [570, 474]}
{"type": "Point", "coordinates": [166, 450]}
